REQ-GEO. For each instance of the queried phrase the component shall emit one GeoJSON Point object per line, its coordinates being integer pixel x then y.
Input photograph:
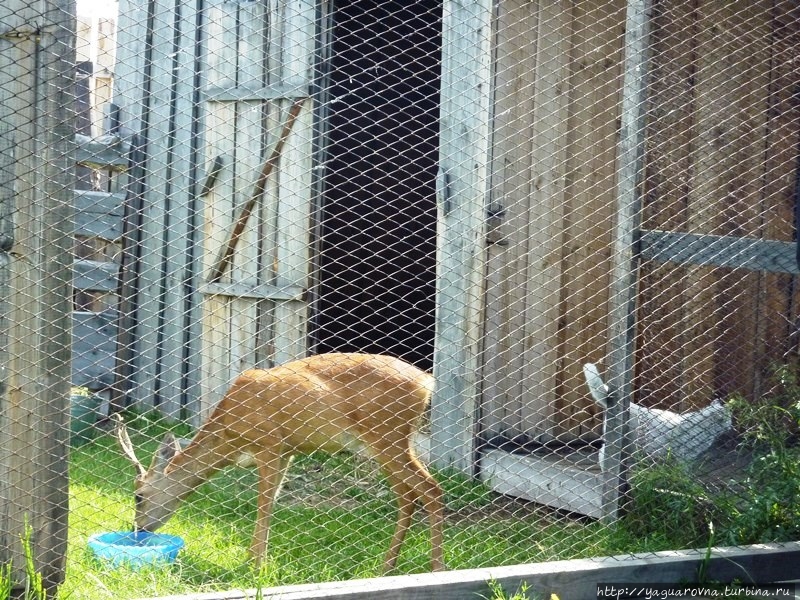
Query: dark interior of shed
{"type": "Point", "coordinates": [376, 236]}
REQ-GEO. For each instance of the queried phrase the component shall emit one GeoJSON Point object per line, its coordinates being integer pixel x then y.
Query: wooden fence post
{"type": "Point", "coordinates": [630, 167]}
{"type": "Point", "coordinates": [461, 190]}
{"type": "Point", "coordinates": [37, 46]}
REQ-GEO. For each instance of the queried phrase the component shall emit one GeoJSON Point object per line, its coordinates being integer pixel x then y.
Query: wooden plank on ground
{"type": "Point", "coordinates": [574, 579]}
{"type": "Point", "coordinates": [572, 483]}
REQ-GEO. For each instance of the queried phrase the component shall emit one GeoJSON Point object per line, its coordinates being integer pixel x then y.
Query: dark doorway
{"type": "Point", "coordinates": [376, 243]}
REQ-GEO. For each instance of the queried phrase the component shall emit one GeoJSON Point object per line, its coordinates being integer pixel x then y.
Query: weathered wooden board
{"type": "Point", "coordinates": [94, 346]}
{"type": "Point", "coordinates": [570, 482]}
{"type": "Point", "coordinates": [96, 276]}
{"type": "Point", "coordinates": [99, 214]}
{"type": "Point", "coordinates": [729, 252]}
{"type": "Point", "coordinates": [553, 173]}
{"type": "Point", "coordinates": [586, 244]}
{"type": "Point", "coordinates": [573, 579]}
{"type": "Point", "coordinates": [109, 152]}
{"type": "Point", "coordinates": [503, 395]}
{"type": "Point", "coordinates": [463, 181]}
{"type": "Point", "coordinates": [36, 107]}
{"type": "Point", "coordinates": [159, 60]}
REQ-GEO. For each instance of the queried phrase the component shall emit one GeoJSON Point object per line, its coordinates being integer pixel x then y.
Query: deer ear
{"type": "Point", "coordinates": [169, 449]}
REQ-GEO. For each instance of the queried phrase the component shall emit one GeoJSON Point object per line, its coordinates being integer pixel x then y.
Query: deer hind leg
{"type": "Point", "coordinates": [272, 467]}
{"type": "Point", "coordinates": [405, 512]}
{"type": "Point", "coordinates": [411, 481]}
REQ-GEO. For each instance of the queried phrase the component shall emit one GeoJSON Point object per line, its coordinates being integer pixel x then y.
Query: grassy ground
{"type": "Point", "coordinates": [333, 521]}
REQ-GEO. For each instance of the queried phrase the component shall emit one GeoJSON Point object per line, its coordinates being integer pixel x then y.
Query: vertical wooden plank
{"type": "Point", "coordinates": [291, 225]}
{"type": "Point", "coordinates": [220, 202]}
{"type": "Point", "coordinates": [597, 34]}
{"type": "Point", "coordinates": [780, 294]}
{"type": "Point", "coordinates": [175, 199]}
{"type": "Point", "coordinates": [194, 41]}
{"type": "Point", "coordinates": [548, 172]}
{"type": "Point", "coordinates": [744, 31]}
{"type": "Point", "coordinates": [129, 73]}
{"type": "Point", "coordinates": [252, 120]}
{"type": "Point", "coordinates": [130, 60]}
{"type": "Point", "coordinates": [153, 137]}
{"type": "Point", "coordinates": [624, 261]}
{"type": "Point", "coordinates": [661, 297]}
{"type": "Point", "coordinates": [167, 129]}
{"type": "Point", "coordinates": [506, 266]}
{"type": "Point", "coordinates": [714, 102]}
{"type": "Point", "coordinates": [37, 107]}
{"type": "Point", "coordinates": [463, 179]}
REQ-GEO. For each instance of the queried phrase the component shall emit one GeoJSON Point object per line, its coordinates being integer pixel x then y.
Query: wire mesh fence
{"type": "Point", "coordinates": [527, 267]}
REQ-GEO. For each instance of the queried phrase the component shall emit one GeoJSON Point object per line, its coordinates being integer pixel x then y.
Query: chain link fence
{"type": "Point", "coordinates": [579, 217]}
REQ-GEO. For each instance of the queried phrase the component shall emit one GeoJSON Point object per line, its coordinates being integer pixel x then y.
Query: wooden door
{"type": "Point", "coordinates": [259, 63]}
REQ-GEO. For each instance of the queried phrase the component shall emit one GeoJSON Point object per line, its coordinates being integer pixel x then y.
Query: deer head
{"type": "Point", "coordinates": [157, 492]}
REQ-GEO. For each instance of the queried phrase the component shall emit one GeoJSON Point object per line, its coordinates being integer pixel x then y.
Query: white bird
{"type": "Point", "coordinates": [657, 433]}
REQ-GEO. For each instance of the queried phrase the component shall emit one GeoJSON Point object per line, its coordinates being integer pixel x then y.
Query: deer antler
{"type": "Point", "coordinates": [125, 443]}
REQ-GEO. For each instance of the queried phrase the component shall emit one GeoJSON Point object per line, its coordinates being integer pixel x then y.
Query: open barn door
{"type": "Point", "coordinates": [256, 263]}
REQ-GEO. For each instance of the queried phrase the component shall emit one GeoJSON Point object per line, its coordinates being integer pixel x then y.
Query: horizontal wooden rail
{"type": "Point", "coordinates": [106, 152]}
{"type": "Point", "coordinates": [719, 251]}
{"type": "Point", "coordinates": [95, 276]}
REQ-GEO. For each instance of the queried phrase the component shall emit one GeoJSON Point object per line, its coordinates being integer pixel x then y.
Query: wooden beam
{"type": "Point", "coordinates": [574, 579]}
{"type": "Point", "coordinates": [261, 291]}
{"type": "Point", "coordinates": [463, 183]}
{"type": "Point", "coordinates": [36, 104]}
{"type": "Point", "coordinates": [726, 251]}
{"type": "Point", "coordinates": [244, 93]}
{"type": "Point", "coordinates": [107, 152]}
{"type": "Point", "coordinates": [95, 276]}
{"type": "Point", "coordinates": [624, 260]}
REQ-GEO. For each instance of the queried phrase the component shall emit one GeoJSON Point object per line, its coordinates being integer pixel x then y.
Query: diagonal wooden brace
{"type": "Point", "coordinates": [226, 253]}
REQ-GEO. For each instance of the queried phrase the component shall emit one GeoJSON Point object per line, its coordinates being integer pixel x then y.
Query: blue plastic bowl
{"type": "Point", "coordinates": [135, 548]}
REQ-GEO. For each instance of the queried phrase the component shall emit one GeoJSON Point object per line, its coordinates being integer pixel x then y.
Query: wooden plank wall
{"type": "Point", "coordinates": [721, 158]}
{"type": "Point", "coordinates": [556, 87]}
{"type": "Point", "coordinates": [258, 64]}
{"type": "Point", "coordinates": [156, 86]}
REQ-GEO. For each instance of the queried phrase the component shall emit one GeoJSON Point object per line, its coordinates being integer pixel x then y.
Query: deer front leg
{"type": "Point", "coordinates": [272, 467]}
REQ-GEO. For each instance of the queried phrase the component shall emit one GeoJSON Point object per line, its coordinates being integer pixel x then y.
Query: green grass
{"type": "Point", "coordinates": [333, 522]}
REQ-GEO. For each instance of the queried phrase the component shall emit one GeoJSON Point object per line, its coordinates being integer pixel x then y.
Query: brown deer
{"type": "Point", "coordinates": [328, 402]}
